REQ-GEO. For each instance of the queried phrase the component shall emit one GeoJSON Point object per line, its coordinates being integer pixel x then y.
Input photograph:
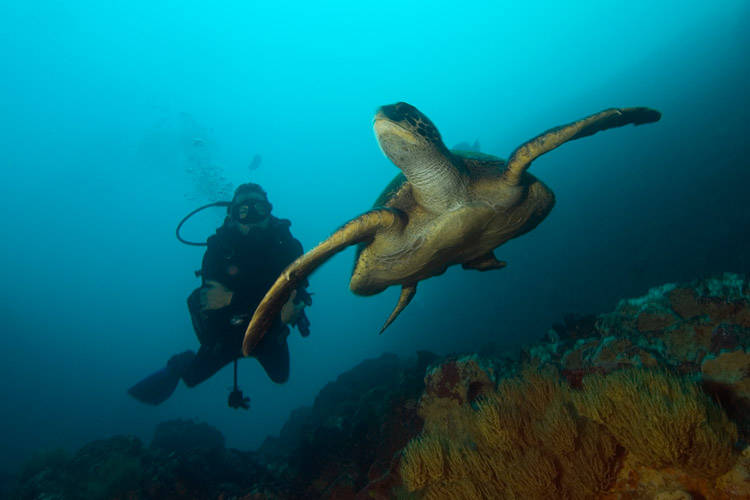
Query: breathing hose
{"type": "Point", "coordinates": [179, 226]}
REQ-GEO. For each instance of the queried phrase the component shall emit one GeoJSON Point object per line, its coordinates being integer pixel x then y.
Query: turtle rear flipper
{"type": "Point", "coordinates": [486, 262]}
{"type": "Point", "coordinates": [407, 293]}
{"type": "Point", "coordinates": [355, 231]}
{"type": "Point", "coordinates": [522, 157]}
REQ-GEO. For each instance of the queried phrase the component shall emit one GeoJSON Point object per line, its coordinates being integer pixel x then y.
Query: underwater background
{"type": "Point", "coordinates": [120, 118]}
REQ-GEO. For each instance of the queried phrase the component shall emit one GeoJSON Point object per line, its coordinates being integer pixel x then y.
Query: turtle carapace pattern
{"type": "Point", "coordinates": [444, 208]}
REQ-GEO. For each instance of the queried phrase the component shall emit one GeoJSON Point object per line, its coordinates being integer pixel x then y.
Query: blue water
{"type": "Point", "coordinates": [118, 118]}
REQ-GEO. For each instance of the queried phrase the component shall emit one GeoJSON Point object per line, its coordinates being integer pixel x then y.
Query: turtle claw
{"type": "Point", "coordinates": [407, 293]}
{"type": "Point", "coordinates": [486, 262]}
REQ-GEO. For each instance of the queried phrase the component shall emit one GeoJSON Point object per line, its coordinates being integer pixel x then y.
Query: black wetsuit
{"type": "Point", "coordinates": [247, 265]}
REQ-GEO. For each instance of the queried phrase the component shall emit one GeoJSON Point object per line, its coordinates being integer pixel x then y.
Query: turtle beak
{"type": "Point", "coordinates": [388, 119]}
{"type": "Point", "coordinates": [388, 113]}
{"type": "Point", "coordinates": [387, 130]}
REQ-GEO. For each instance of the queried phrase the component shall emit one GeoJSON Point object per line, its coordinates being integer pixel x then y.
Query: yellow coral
{"type": "Point", "coordinates": [427, 464]}
{"type": "Point", "coordinates": [536, 438]}
{"type": "Point", "coordinates": [664, 420]}
{"type": "Point", "coordinates": [523, 441]}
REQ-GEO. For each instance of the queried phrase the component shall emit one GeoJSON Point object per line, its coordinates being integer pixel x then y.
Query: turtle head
{"type": "Point", "coordinates": [404, 133]}
{"type": "Point", "coordinates": [412, 142]}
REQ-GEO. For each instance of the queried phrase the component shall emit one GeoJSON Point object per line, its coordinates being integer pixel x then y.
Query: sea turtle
{"type": "Point", "coordinates": [444, 208]}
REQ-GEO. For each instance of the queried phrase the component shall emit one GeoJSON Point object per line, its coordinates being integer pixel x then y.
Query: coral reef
{"type": "Point", "coordinates": [122, 468]}
{"type": "Point", "coordinates": [649, 401]}
{"type": "Point", "coordinates": [535, 437]}
{"type": "Point", "coordinates": [181, 436]}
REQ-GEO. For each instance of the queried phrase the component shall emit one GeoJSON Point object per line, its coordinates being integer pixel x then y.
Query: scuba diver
{"type": "Point", "coordinates": [242, 260]}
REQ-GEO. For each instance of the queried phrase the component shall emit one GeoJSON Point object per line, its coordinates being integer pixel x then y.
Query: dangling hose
{"type": "Point", "coordinates": [235, 376]}
{"type": "Point", "coordinates": [177, 231]}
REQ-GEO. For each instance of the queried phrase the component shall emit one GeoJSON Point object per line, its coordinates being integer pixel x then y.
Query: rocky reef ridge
{"type": "Point", "coordinates": [649, 401]}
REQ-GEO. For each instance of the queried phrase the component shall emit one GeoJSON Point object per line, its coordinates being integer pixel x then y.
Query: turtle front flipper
{"type": "Point", "coordinates": [355, 231]}
{"type": "Point", "coordinates": [522, 157]}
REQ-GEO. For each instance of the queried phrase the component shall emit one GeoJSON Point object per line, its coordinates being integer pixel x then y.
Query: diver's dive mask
{"type": "Point", "coordinates": [250, 210]}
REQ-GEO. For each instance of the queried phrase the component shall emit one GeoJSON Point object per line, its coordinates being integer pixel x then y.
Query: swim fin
{"type": "Point", "coordinates": [157, 387]}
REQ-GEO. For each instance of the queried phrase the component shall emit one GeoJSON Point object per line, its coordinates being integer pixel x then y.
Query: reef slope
{"type": "Point", "coordinates": [649, 401]}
